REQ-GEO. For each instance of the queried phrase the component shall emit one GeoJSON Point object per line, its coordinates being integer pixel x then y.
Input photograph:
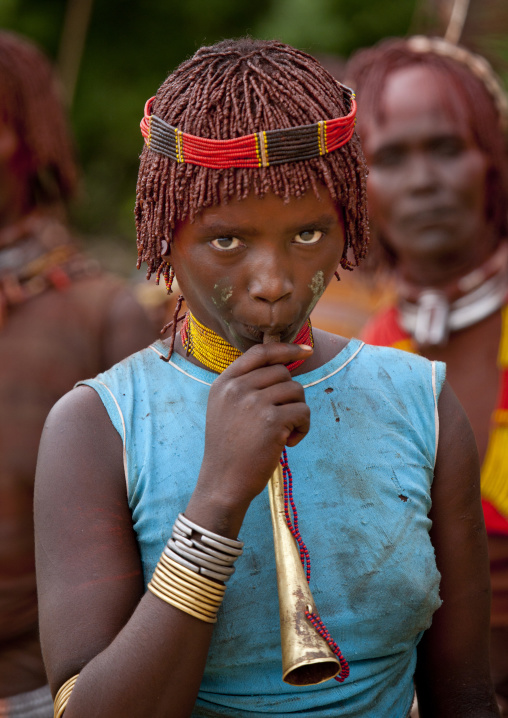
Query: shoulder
{"type": "Point", "coordinates": [111, 312]}
{"type": "Point", "coordinates": [93, 294]}
{"type": "Point", "coordinates": [402, 377]}
{"type": "Point", "coordinates": [142, 362]}
{"type": "Point", "coordinates": [126, 381]}
{"type": "Point", "coordinates": [145, 382]}
{"type": "Point", "coordinates": [76, 428]}
{"type": "Point", "coordinates": [378, 361]}
{"type": "Point", "coordinates": [397, 361]}
{"type": "Point", "coordinates": [75, 409]}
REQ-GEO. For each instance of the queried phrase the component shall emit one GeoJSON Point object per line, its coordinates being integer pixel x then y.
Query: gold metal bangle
{"type": "Point", "coordinates": [192, 575]}
{"type": "Point", "coordinates": [189, 581]}
{"type": "Point", "coordinates": [202, 593]}
{"type": "Point", "coordinates": [180, 606]}
{"type": "Point", "coordinates": [63, 695]}
{"type": "Point", "coordinates": [212, 585]}
{"type": "Point", "coordinates": [182, 597]}
{"type": "Point", "coordinates": [173, 583]}
{"type": "Point", "coordinates": [185, 598]}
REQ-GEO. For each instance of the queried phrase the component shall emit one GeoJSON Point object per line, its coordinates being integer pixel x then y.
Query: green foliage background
{"type": "Point", "coordinates": [132, 45]}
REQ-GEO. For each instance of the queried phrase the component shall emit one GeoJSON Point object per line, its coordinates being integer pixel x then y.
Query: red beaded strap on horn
{"type": "Point", "coordinates": [291, 516]}
{"type": "Point", "coordinates": [260, 149]}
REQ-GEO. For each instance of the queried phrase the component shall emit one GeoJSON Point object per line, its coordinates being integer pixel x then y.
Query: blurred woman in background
{"type": "Point", "coordinates": [433, 121]}
{"type": "Point", "coordinates": [61, 319]}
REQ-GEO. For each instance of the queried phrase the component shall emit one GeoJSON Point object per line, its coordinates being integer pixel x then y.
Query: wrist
{"type": "Point", "coordinates": [221, 514]}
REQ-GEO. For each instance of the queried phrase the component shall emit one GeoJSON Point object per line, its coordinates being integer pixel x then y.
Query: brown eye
{"type": "Point", "coordinates": [448, 147]}
{"type": "Point", "coordinates": [388, 157]}
{"type": "Point", "coordinates": [308, 236]}
{"type": "Point", "coordinates": [226, 243]}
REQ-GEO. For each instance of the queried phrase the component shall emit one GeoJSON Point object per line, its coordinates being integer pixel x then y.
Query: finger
{"type": "Point", "coordinates": [296, 436]}
{"type": "Point", "coordinates": [267, 376]}
{"type": "Point", "coordinates": [261, 355]}
{"type": "Point", "coordinates": [288, 423]}
{"type": "Point", "coordinates": [288, 392]}
{"type": "Point", "coordinates": [299, 416]}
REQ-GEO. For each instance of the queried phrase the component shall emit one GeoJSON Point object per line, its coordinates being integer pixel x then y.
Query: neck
{"type": "Point", "coordinates": [213, 352]}
{"type": "Point", "coordinates": [455, 285]}
{"type": "Point", "coordinates": [439, 270]}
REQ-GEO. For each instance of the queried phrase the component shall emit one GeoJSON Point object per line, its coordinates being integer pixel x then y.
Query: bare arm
{"type": "Point", "coordinates": [135, 654]}
{"type": "Point", "coordinates": [452, 677]}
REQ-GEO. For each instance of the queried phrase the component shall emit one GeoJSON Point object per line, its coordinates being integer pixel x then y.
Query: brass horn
{"type": "Point", "coordinates": [307, 659]}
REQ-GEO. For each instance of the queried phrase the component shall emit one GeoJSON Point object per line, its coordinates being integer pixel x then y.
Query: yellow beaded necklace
{"type": "Point", "coordinates": [207, 346]}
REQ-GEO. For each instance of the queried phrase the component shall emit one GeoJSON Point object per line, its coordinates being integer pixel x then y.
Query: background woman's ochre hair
{"type": "Point", "coordinates": [234, 88]}
{"type": "Point", "coordinates": [31, 105]}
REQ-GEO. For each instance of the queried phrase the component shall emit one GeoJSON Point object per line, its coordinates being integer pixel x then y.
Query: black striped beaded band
{"type": "Point", "coordinates": [260, 149]}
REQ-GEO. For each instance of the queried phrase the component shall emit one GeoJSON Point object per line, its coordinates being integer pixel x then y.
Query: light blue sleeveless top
{"type": "Point", "coordinates": [362, 481]}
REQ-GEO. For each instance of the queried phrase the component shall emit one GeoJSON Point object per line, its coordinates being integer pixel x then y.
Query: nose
{"type": "Point", "coordinates": [270, 280]}
{"type": "Point", "coordinates": [421, 176]}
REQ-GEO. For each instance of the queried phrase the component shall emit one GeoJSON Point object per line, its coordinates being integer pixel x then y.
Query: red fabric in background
{"type": "Point", "coordinates": [495, 522]}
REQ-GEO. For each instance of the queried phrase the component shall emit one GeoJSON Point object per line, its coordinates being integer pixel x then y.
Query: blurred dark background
{"type": "Point", "coordinates": [113, 55]}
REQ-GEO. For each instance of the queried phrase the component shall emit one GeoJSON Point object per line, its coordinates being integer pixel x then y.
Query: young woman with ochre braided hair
{"type": "Point", "coordinates": [61, 318]}
{"type": "Point", "coordinates": [433, 123]}
{"type": "Point", "coordinates": [252, 193]}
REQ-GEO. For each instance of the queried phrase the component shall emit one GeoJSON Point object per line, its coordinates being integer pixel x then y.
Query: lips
{"type": "Point", "coordinates": [429, 216]}
{"type": "Point", "coordinates": [256, 333]}
{"type": "Point", "coordinates": [253, 332]}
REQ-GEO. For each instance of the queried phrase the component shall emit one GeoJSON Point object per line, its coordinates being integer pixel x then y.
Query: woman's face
{"type": "Point", "coordinates": [258, 265]}
{"type": "Point", "coordinates": [427, 176]}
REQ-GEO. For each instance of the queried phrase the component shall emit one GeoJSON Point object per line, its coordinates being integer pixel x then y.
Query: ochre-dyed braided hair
{"type": "Point", "coordinates": [476, 96]}
{"type": "Point", "coordinates": [235, 88]}
{"type": "Point", "coordinates": [30, 104]}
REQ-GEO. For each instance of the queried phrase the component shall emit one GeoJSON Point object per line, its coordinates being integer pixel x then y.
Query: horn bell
{"type": "Point", "coordinates": [307, 658]}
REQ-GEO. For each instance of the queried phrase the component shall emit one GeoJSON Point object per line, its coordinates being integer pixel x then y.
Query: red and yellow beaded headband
{"type": "Point", "coordinates": [260, 149]}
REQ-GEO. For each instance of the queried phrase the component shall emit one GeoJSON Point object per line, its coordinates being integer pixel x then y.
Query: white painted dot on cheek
{"type": "Point", "coordinates": [222, 295]}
